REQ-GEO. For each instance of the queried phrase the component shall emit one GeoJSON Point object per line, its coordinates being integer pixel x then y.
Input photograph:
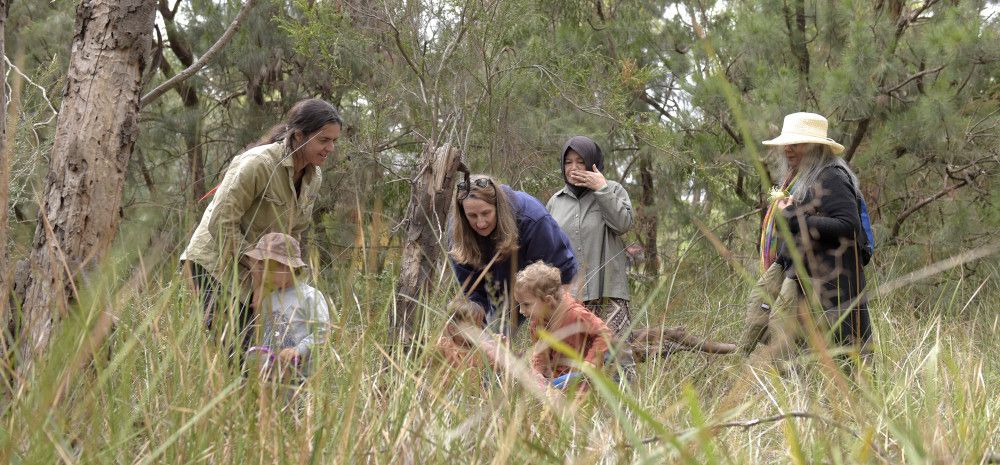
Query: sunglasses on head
{"type": "Point", "coordinates": [465, 187]}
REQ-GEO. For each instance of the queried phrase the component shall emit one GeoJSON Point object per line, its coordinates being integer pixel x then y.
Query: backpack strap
{"type": "Point", "coordinates": [865, 243]}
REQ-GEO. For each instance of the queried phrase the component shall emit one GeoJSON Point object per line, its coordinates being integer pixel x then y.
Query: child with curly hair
{"type": "Point", "coordinates": [542, 298]}
{"type": "Point", "coordinates": [467, 321]}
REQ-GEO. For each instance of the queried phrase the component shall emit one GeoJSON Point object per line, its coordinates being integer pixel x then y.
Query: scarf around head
{"type": "Point", "coordinates": [591, 155]}
{"type": "Point", "coordinates": [768, 238]}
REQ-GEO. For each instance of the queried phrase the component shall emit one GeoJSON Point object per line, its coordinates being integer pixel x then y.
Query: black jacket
{"type": "Point", "coordinates": [826, 226]}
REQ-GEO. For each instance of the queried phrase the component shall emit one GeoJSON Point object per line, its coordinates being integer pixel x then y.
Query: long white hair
{"type": "Point", "coordinates": [817, 158]}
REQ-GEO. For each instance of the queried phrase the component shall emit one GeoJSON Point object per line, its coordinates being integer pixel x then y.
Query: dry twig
{"type": "Point", "coordinates": [746, 424]}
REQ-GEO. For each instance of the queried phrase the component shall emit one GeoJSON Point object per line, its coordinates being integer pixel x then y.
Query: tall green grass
{"type": "Point", "coordinates": [159, 389]}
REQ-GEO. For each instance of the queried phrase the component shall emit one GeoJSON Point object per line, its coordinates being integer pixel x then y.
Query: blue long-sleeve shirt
{"type": "Point", "coordinates": [540, 239]}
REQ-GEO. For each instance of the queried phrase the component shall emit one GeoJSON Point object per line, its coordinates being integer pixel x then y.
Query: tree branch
{"type": "Point", "coordinates": [164, 8]}
{"type": "Point", "coordinates": [656, 106]}
{"type": "Point", "coordinates": [772, 419]}
{"type": "Point", "coordinates": [921, 204]}
{"type": "Point", "coordinates": [905, 21]}
{"type": "Point", "coordinates": [732, 134]}
{"type": "Point", "coordinates": [972, 70]}
{"type": "Point", "coordinates": [859, 134]}
{"type": "Point", "coordinates": [745, 424]}
{"type": "Point", "coordinates": [911, 78]}
{"type": "Point", "coordinates": [204, 60]}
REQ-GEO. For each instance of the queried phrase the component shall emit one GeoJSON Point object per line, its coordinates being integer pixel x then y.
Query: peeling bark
{"type": "Point", "coordinates": [426, 217]}
{"type": "Point", "coordinates": [4, 182]}
{"type": "Point", "coordinates": [95, 133]}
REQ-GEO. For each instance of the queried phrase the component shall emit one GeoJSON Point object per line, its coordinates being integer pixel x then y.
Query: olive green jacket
{"type": "Point", "coordinates": [595, 225]}
{"type": "Point", "coordinates": [256, 196]}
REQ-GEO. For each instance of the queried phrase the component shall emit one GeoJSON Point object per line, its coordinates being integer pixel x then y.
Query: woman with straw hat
{"type": "Point", "coordinates": [817, 205]}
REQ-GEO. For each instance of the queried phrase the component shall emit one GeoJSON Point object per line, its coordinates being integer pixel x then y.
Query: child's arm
{"type": "Point", "coordinates": [599, 333]}
{"type": "Point", "coordinates": [539, 358]}
{"type": "Point", "coordinates": [538, 363]}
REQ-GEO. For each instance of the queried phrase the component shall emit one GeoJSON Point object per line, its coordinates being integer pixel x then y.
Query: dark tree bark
{"type": "Point", "coordinates": [894, 233]}
{"type": "Point", "coordinates": [795, 21]}
{"type": "Point", "coordinates": [95, 133]}
{"type": "Point", "coordinates": [859, 135]}
{"type": "Point", "coordinates": [648, 219]}
{"type": "Point", "coordinates": [427, 222]}
{"type": "Point", "coordinates": [204, 59]}
{"type": "Point", "coordinates": [189, 96]}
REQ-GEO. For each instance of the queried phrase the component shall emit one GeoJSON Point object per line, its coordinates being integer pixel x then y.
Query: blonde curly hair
{"type": "Point", "coordinates": [541, 280]}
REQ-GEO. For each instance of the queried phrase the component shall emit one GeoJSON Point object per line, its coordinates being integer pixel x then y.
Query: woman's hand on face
{"type": "Point", "coordinates": [593, 180]}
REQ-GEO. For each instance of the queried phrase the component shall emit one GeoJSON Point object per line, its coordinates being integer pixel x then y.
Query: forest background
{"type": "Point", "coordinates": [678, 94]}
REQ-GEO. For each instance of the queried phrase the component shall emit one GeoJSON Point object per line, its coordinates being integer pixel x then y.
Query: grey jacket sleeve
{"type": "Point", "coordinates": [616, 207]}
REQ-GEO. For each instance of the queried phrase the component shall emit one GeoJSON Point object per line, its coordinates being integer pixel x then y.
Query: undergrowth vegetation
{"type": "Point", "coordinates": [159, 389]}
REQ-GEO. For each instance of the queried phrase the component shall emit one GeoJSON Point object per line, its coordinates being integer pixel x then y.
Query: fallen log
{"type": "Point", "coordinates": [663, 340]}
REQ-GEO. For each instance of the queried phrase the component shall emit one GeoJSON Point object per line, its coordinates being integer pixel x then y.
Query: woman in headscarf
{"type": "Point", "coordinates": [819, 200]}
{"type": "Point", "coordinates": [496, 232]}
{"type": "Point", "coordinates": [595, 212]}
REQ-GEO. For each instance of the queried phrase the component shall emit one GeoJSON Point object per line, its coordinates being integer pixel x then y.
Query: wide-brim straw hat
{"type": "Point", "coordinates": [805, 128]}
{"type": "Point", "coordinates": [280, 248]}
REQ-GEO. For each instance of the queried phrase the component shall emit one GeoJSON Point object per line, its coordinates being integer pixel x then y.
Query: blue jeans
{"type": "Point", "coordinates": [562, 382]}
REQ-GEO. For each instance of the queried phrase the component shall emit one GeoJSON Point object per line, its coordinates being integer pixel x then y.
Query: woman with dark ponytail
{"type": "Point", "coordinates": [270, 187]}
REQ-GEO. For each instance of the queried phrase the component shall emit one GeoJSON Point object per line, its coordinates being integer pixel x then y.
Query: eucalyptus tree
{"type": "Point", "coordinates": [4, 174]}
{"type": "Point", "coordinates": [93, 141]}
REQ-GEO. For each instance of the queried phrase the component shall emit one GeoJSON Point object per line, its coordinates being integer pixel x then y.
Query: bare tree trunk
{"type": "Point", "coordinates": [5, 283]}
{"type": "Point", "coordinates": [97, 126]}
{"type": "Point", "coordinates": [795, 21]}
{"type": "Point", "coordinates": [648, 219]}
{"type": "Point", "coordinates": [426, 217]}
{"type": "Point", "coordinates": [192, 133]}
{"type": "Point", "coordinates": [189, 95]}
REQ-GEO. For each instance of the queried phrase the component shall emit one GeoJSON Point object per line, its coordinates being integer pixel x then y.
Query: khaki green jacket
{"type": "Point", "coordinates": [595, 225]}
{"type": "Point", "coordinates": [257, 196]}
